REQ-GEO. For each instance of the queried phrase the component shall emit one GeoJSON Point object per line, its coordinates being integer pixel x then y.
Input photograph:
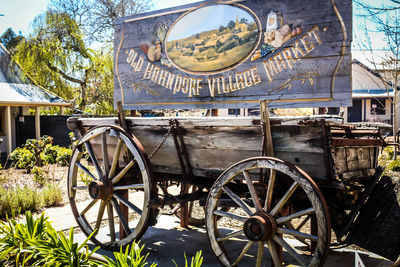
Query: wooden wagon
{"type": "Point", "coordinates": [317, 176]}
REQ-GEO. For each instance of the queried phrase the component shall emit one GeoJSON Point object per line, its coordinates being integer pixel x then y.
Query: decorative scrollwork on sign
{"type": "Point", "coordinates": [299, 77]}
{"type": "Point", "coordinates": [138, 87]}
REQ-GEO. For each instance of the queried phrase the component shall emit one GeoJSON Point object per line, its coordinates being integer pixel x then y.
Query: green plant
{"type": "Point", "coordinates": [394, 165]}
{"type": "Point", "coordinates": [132, 257]}
{"type": "Point", "coordinates": [52, 195]}
{"type": "Point", "coordinates": [39, 176]}
{"type": "Point", "coordinates": [196, 261]}
{"type": "Point", "coordinates": [23, 158]}
{"type": "Point", "coordinates": [14, 238]}
{"type": "Point", "coordinates": [37, 243]}
{"type": "Point", "coordinates": [58, 250]}
{"type": "Point", "coordinates": [63, 156]}
{"type": "Point", "coordinates": [22, 198]}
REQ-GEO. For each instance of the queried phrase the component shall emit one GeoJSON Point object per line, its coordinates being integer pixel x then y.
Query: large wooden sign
{"type": "Point", "coordinates": [230, 54]}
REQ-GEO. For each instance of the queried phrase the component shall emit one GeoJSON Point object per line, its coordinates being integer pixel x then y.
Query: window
{"type": "Point", "coordinates": [378, 107]}
{"type": "Point", "coordinates": [235, 112]}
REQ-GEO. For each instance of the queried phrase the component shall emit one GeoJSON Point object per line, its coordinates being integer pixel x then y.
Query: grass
{"type": "Point", "coordinates": [25, 198]}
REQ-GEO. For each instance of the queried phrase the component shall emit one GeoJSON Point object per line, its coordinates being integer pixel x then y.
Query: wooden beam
{"type": "Point", "coordinates": [37, 122]}
{"type": "Point", "coordinates": [9, 130]}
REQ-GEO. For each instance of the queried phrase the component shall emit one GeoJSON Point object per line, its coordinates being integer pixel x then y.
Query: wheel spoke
{"type": "Point", "coordinates": [229, 215]}
{"type": "Point", "coordinates": [290, 250]}
{"type": "Point", "coordinates": [127, 203]}
{"type": "Point", "coordinates": [85, 170]}
{"type": "Point", "coordinates": [100, 216]}
{"type": "Point", "coordinates": [274, 253]}
{"type": "Point", "coordinates": [238, 201]}
{"type": "Point", "coordinates": [290, 226]}
{"type": "Point", "coordinates": [260, 253]}
{"type": "Point", "coordinates": [115, 159]}
{"type": "Point", "coordinates": [230, 235]}
{"type": "Point", "coordinates": [241, 255]}
{"type": "Point", "coordinates": [105, 154]}
{"type": "Point", "coordinates": [123, 172]}
{"type": "Point", "coordinates": [296, 233]}
{"type": "Point", "coordinates": [91, 204]}
{"type": "Point", "coordinates": [80, 188]}
{"type": "Point", "coordinates": [111, 221]}
{"type": "Point", "coordinates": [303, 222]}
{"type": "Point", "coordinates": [121, 217]}
{"type": "Point", "coordinates": [284, 199]}
{"type": "Point", "coordinates": [252, 190]}
{"type": "Point", "coordinates": [294, 215]}
{"type": "Point", "coordinates": [94, 159]}
{"type": "Point", "coordinates": [127, 187]}
{"type": "Point", "coordinates": [270, 190]}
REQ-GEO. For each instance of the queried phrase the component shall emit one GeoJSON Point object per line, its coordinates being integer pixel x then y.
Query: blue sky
{"type": "Point", "coordinates": [199, 20]}
{"type": "Point", "coordinates": [18, 14]}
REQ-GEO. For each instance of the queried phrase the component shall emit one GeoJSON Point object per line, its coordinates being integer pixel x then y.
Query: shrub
{"type": "Point", "coordinates": [22, 198]}
{"type": "Point", "coordinates": [131, 257]}
{"type": "Point", "coordinates": [39, 176]}
{"type": "Point", "coordinates": [23, 158]}
{"type": "Point", "coordinates": [14, 238]}
{"type": "Point", "coordinates": [37, 243]}
{"type": "Point", "coordinates": [394, 165]}
{"type": "Point", "coordinates": [52, 195]}
{"type": "Point", "coordinates": [39, 152]}
{"type": "Point", "coordinates": [63, 156]}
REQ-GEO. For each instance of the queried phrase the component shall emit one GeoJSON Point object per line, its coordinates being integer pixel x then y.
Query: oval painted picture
{"type": "Point", "coordinates": [213, 38]}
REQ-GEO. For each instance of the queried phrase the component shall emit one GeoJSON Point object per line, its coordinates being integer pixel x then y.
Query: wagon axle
{"type": "Point", "coordinates": [101, 189]}
{"type": "Point", "coordinates": [259, 227]}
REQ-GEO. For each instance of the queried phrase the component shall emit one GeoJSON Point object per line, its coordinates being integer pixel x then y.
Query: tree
{"type": "Point", "coordinates": [231, 25]}
{"type": "Point", "coordinates": [55, 56]}
{"type": "Point", "coordinates": [10, 39]}
{"type": "Point", "coordinates": [383, 17]}
{"type": "Point", "coordinates": [97, 17]}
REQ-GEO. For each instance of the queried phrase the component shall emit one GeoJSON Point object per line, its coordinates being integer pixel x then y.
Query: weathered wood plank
{"type": "Point", "coordinates": [313, 64]}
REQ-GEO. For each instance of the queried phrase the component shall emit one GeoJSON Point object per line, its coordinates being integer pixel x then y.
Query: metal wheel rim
{"type": "Point", "coordinates": [304, 182]}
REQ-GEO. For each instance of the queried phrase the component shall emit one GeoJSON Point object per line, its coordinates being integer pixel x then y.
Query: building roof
{"type": "Point", "coordinates": [372, 93]}
{"type": "Point", "coordinates": [27, 94]}
{"type": "Point", "coordinates": [16, 90]}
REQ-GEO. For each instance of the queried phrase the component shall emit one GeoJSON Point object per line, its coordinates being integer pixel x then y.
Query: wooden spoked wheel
{"type": "Point", "coordinates": [273, 205]}
{"type": "Point", "coordinates": [110, 186]}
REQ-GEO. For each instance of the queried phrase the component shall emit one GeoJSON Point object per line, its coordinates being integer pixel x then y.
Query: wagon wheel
{"type": "Point", "coordinates": [115, 183]}
{"type": "Point", "coordinates": [274, 202]}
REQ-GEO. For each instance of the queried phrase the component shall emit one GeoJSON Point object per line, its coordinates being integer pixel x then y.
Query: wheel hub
{"type": "Point", "coordinates": [101, 189]}
{"type": "Point", "coordinates": [259, 227]}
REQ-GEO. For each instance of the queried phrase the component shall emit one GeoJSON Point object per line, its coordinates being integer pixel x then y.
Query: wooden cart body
{"type": "Point", "coordinates": [322, 146]}
{"type": "Point", "coordinates": [338, 157]}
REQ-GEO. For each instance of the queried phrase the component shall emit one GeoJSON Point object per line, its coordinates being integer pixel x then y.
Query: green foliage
{"type": "Point", "coordinates": [14, 238]}
{"type": "Point", "coordinates": [196, 261]}
{"type": "Point", "coordinates": [22, 198]}
{"type": "Point", "coordinates": [63, 156]}
{"type": "Point", "coordinates": [39, 176]}
{"type": "Point", "coordinates": [394, 165]}
{"type": "Point", "coordinates": [37, 243]}
{"type": "Point", "coordinates": [10, 39]}
{"type": "Point", "coordinates": [58, 250]}
{"type": "Point", "coordinates": [23, 158]}
{"type": "Point", "coordinates": [132, 257]}
{"type": "Point", "coordinates": [52, 195]}
{"type": "Point", "coordinates": [39, 152]}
